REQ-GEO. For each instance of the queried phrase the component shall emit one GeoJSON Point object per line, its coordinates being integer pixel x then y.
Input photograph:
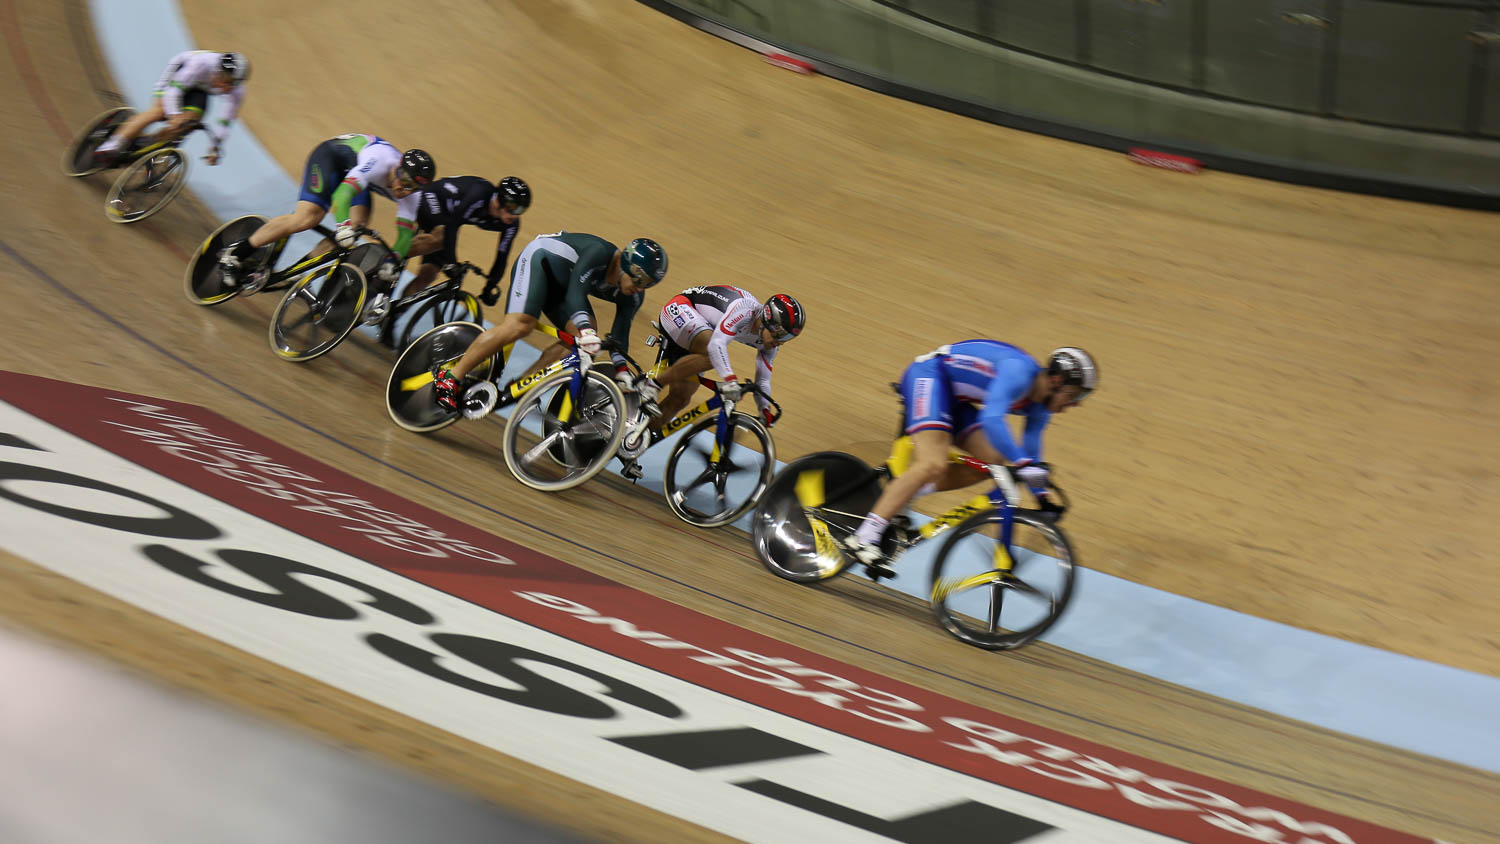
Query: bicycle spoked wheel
{"type": "Point", "coordinates": [569, 441]}
{"type": "Point", "coordinates": [203, 283]}
{"type": "Point", "coordinates": [78, 158]}
{"type": "Point", "coordinates": [707, 486]}
{"type": "Point", "coordinates": [807, 510]}
{"type": "Point", "coordinates": [980, 602]}
{"type": "Point", "coordinates": [317, 312]}
{"type": "Point", "coordinates": [146, 186]}
{"type": "Point", "coordinates": [408, 392]}
{"type": "Point", "coordinates": [455, 306]}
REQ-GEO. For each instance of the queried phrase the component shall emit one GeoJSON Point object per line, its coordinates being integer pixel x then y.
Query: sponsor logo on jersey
{"type": "Point", "coordinates": [921, 398]}
{"type": "Point", "coordinates": [450, 187]}
{"type": "Point", "coordinates": [316, 182]}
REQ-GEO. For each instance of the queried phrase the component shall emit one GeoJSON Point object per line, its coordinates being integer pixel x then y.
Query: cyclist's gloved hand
{"type": "Point", "coordinates": [730, 391]}
{"type": "Point", "coordinates": [346, 235]}
{"type": "Point", "coordinates": [1032, 474]}
{"type": "Point", "coordinates": [589, 342]}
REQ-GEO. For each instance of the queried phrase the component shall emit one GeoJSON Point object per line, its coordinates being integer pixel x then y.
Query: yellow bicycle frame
{"type": "Point", "coordinates": [515, 389]}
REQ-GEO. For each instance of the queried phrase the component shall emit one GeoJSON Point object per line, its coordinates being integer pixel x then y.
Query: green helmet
{"type": "Point", "coordinates": [644, 260]}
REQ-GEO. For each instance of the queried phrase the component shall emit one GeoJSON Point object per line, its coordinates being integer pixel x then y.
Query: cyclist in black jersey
{"type": "Point", "coordinates": [447, 204]}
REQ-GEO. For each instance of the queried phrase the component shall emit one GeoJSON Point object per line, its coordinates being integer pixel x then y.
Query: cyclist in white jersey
{"type": "Point", "coordinates": [341, 173]}
{"type": "Point", "coordinates": [700, 322]}
{"type": "Point", "coordinates": [181, 99]}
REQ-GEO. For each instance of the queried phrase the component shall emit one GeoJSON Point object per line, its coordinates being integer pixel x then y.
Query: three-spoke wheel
{"type": "Point", "coordinates": [146, 186]}
{"type": "Point", "coordinates": [576, 430]}
{"type": "Point", "coordinates": [997, 600]}
{"type": "Point", "coordinates": [710, 485]}
{"type": "Point", "coordinates": [317, 312]}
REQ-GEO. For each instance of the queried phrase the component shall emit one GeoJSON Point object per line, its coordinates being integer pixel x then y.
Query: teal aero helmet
{"type": "Point", "coordinates": [644, 260]}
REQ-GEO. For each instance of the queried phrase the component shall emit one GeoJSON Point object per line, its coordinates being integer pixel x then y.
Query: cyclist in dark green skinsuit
{"type": "Point", "coordinates": [554, 276]}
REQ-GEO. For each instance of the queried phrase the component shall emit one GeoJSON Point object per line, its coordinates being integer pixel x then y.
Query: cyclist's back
{"type": "Point", "coordinates": [987, 371]}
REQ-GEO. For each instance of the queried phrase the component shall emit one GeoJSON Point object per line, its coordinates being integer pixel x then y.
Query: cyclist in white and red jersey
{"type": "Point", "coordinates": [700, 322]}
{"type": "Point", "coordinates": [181, 99]}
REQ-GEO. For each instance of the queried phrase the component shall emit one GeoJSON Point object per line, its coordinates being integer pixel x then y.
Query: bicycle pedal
{"type": "Point", "coordinates": [255, 281]}
{"type": "Point", "coordinates": [632, 470]}
{"type": "Point", "coordinates": [479, 400]}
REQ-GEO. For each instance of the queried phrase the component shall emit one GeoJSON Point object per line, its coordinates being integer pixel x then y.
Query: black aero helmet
{"type": "Point", "coordinates": [514, 195]}
{"type": "Point", "coordinates": [784, 316]}
{"type": "Point", "coordinates": [235, 66]}
{"type": "Point", "coordinates": [644, 260]}
{"type": "Point", "coordinates": [1076, 368]}
{"type": "Point", "coordinates": [418, 166]}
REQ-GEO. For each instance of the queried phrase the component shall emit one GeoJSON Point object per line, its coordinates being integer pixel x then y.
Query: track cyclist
{"type": "Point", "coordinates": [181, 99]}
{"type": "Point", "coordinates": [342, 172]}
{"type": "Point", "coordinates": [699, 323]}
{"type": "Point", "coordinates": [554, 276]}
{"type": "Point", "coordinates": [447, 204]}
{"type": "Point", "coordinates": [960, 395]}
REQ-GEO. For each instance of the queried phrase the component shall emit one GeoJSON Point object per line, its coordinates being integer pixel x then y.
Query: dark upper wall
{"type": "Point", "coordinates": [1400, 97]}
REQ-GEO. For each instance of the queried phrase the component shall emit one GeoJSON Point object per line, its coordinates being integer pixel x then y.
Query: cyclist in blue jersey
{"type": "Point", "coordinates": [960, 395]}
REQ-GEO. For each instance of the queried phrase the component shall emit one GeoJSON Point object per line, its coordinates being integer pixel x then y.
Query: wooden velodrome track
{"type": "Point", "coordinates": [1297, 417]}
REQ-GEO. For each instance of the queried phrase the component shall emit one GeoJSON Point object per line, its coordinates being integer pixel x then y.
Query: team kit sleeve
{"type": "Point", "coordinates": [502, 253]}
{"type": "Point", "coordinates": [763, 376]}
{"type": "Point", "coordinates": [406, 223]}
{"type": "Point", "coordinates": [234, 100]}
{"type": "Point", "coordinates": [737, 317]}
{"type": "Point", "coordinates": [1012, 379]}
{"type": "Point", "coordinates": [593, 262]}
{"type": "Point", "coordinates": [355, 181]}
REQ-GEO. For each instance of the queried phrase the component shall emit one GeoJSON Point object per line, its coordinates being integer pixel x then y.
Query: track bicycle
{"type": "Point", "coordinates": [300, 327]}
{"type": "Point", "coordinates": [154, 167]}
{"type": "Point", "coordinates": [1001, 577]}
{"type": "Point", "coordinates": [327, 290]}
{"type": "Point", "coordinates": [575, 408]}
{"type": "Point", "coordinates": [721, 464]}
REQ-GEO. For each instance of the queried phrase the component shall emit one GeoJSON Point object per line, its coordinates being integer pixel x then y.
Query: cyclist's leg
{"type": "Point", "coordinates": [133, 127]}
{"type": "Point", "coordinates": [194, 107]}
{"type": "Point", "coordinates": [929, 422]}
{"type": "Point", "coordinates": [436, 253]}
{"type": "Point", "coordinates": [688, 334]}
{"type": "Point", "coordinates": [523, 306]}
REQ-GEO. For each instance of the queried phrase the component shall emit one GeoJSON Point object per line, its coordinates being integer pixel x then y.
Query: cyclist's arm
{"type": "Point", "coordinates": [592, 263]}
{"type": "Point", "coordinates": [625, 310]}
{"type": "Point", "coordinates": [233, 100]}
{"type": "Point", "coordinates": [1037, 418]}
{"type": "Point", "coordinates": [763, 376]}
{"type": "Point", "coordinates": [502, 253]}
{"type": "Point", "coordinates": [357, 180]}
{"type": "Point", "coordinates": [406, 223]}
{"type": "Point", "coordinates": [1012, 380]}
{"type": "Point", "coordinates": [737, 318]}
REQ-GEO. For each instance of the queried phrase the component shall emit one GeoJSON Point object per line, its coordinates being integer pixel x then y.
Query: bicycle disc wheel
{"type": "Point", "coordinates": [146, 186]}
{"type": "Point", "coordinates": [709, 487]}
{"type": "Point", "coordinates": [574, 440]}
{"type": "Point", "coordinates": [408, 393]}
{"type": "Point", "coordinates": [454, 306]}
{"type": "Point", "coordinates": [78, 158]}
{"type": "Point", "coordinates": [839, 488]}
{"type": "Point", "coordinates": [317, 312]}
{"type": "Point", "coordinates": [982, 604]}
{"type": "Point", "coordinates": [204, 281]}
